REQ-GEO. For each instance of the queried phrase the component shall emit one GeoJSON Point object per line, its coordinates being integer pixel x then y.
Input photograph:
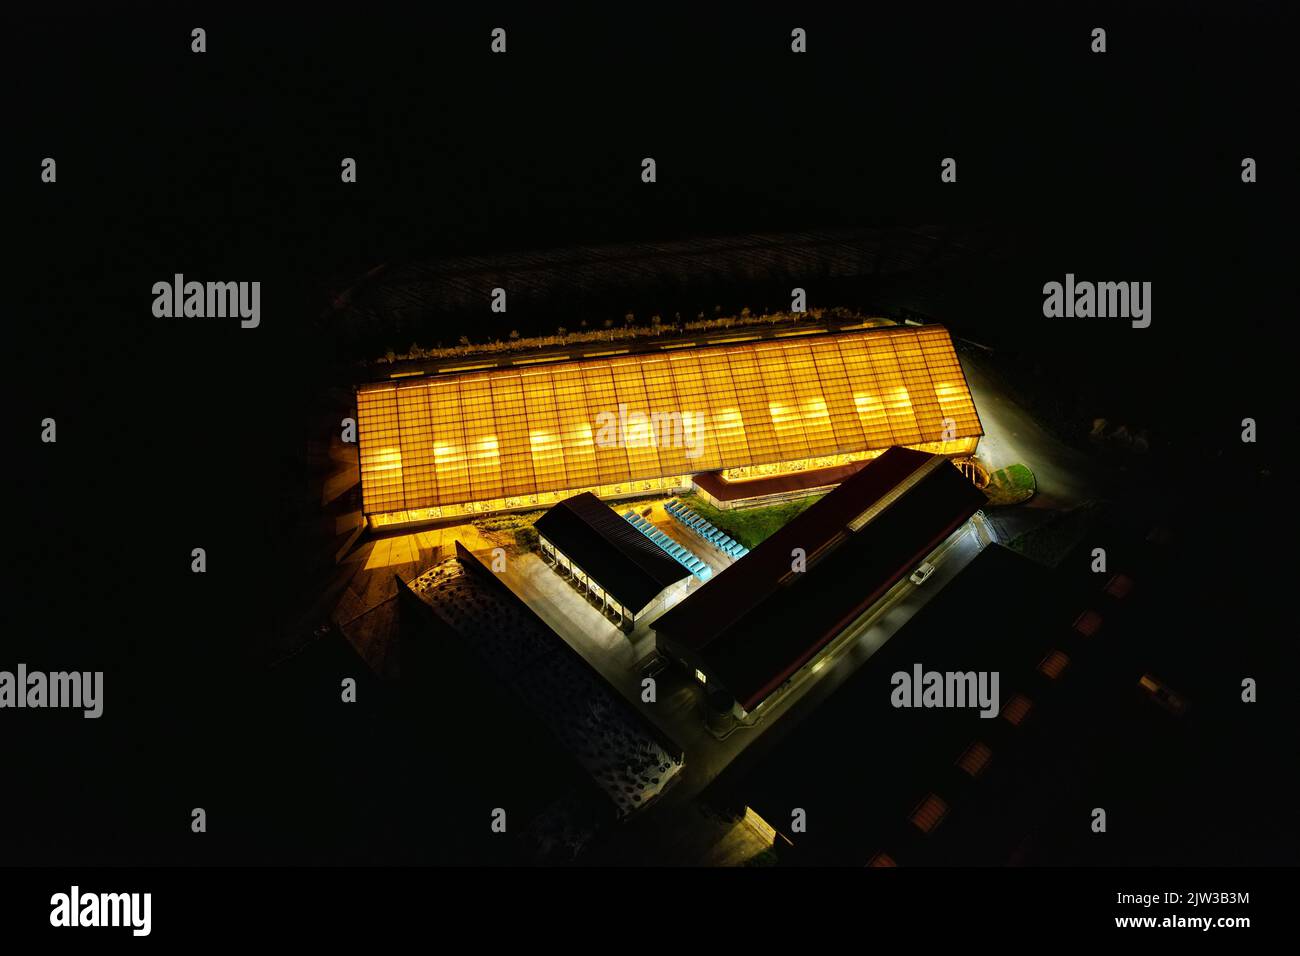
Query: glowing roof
{"type": "Point", "coordinates": [503, 435]}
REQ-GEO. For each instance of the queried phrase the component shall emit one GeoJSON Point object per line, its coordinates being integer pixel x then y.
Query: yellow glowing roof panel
{"type": "Point", "coordinates": [484, 435]}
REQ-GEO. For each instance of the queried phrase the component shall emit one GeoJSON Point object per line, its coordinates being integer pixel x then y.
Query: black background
{"type": "Point", "coordinates": [176, 434]}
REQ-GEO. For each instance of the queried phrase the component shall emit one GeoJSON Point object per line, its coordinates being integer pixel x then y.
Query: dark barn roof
{"type": "Point", "coordinates": [623, 561]}
{"type": "Point", "coordinates": [757, 623]}
{"type": "Point", "coordinates": [900, 755]}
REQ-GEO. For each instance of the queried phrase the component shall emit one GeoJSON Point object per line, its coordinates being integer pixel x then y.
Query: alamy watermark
{"type": "Point", "coordinates": [630, 428]}
{"type": "Point", "coordinates": [61, 689]}
{"type": "Point", "coordinates": [1100, 300]}
{"type": "Point", "coordinates": [208, 300]}
{"type": "Point", "coordinates": [75, 908]}
{"type": "Point", "coordinates": [922, 688]}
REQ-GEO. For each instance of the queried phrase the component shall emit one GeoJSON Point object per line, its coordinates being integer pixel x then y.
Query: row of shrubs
{"type": "Point", "coordinates": [610, 333]}
{"type": "Point", "coordinates": [518, 527]}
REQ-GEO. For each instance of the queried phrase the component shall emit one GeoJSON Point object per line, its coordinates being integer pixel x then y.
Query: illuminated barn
{"type": "Point", "coordinates": [761, 621]}
{"type": "Point", "coordinates": [622, 422]}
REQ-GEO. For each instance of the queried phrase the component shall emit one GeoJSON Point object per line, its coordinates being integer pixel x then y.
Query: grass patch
{"type": "Point", "coordinates": [1052, 541]}
{"type": "Point", "coordinates": [511, 529]}
{"type": "Point", "coordinates": [751, 526]}
{"type": "Point", "coordinates": [1011, 486]}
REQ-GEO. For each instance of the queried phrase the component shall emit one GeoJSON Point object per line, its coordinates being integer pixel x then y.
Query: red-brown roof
{"type": "Point", "coordinates": [757, 623]}
{"type": "Point", "coordinates": [722, 490]}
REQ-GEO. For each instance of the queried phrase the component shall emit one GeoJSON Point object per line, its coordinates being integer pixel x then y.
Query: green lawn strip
{"type": "Point", "coordinates": [750, 526]}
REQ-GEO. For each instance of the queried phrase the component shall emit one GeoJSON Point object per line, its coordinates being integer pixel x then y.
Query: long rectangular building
{"type": "Point", "coordinates": [620, 425]}
{"type": "Point", "coordinates": [764, 618]}
{"type": "Point", "coordinates": [866, 804]}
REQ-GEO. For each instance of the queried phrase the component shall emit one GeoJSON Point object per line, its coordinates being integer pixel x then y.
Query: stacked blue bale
{"type": "Point", "coordinates": [700, 526]}
{"type": "Point", "coordinates": [681, 554]}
